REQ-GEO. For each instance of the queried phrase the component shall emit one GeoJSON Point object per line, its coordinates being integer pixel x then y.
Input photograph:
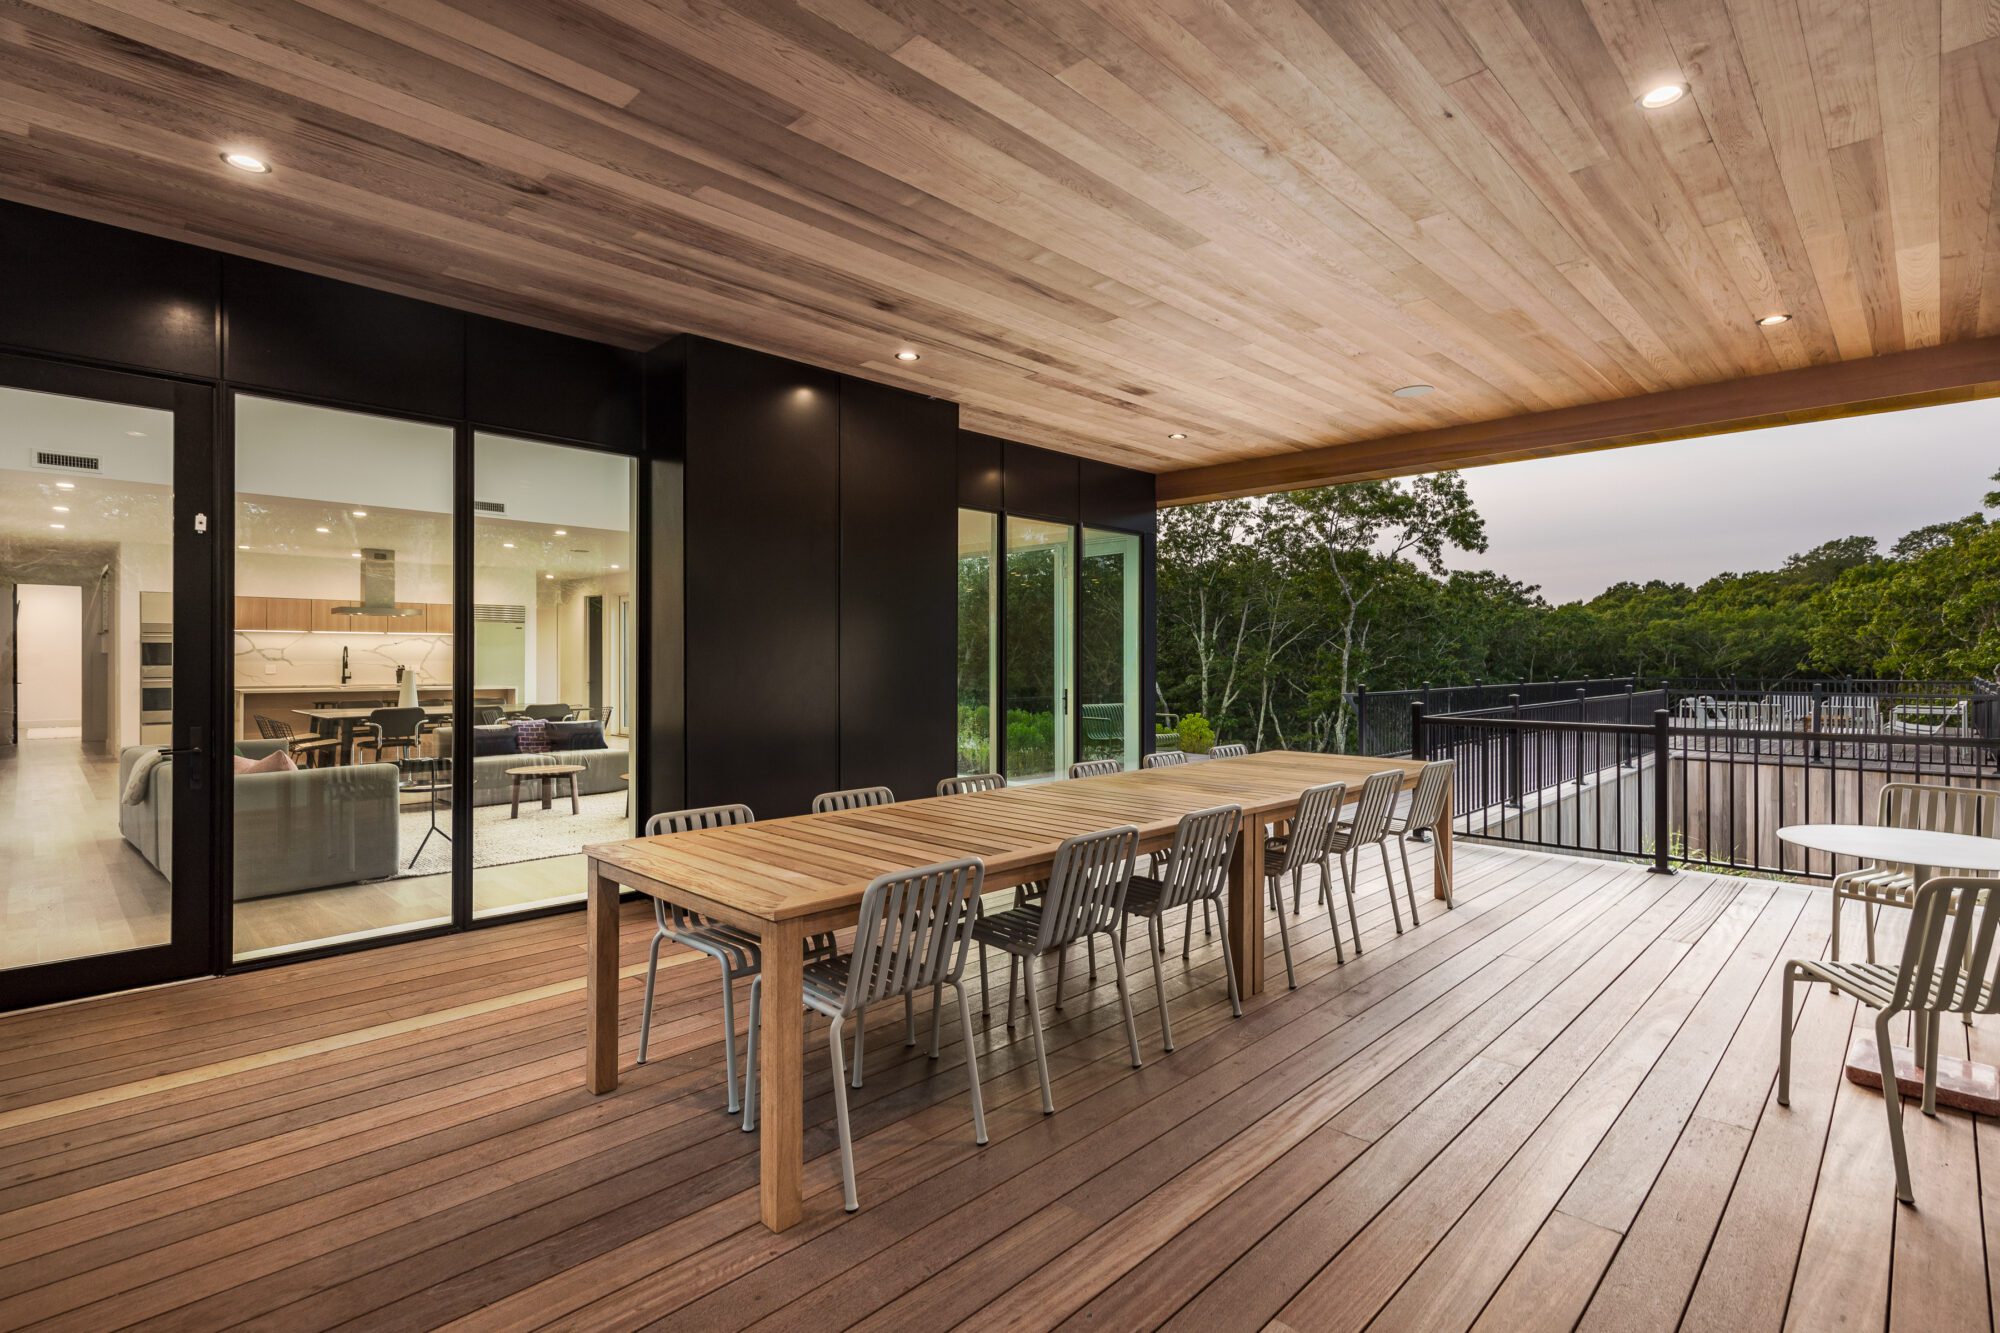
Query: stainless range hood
{"type": "Point", "coordinates": [378, 587]}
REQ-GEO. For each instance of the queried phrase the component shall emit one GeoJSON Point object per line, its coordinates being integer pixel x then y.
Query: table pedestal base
{"type": "Point", "coordinates": [1960, 1083]}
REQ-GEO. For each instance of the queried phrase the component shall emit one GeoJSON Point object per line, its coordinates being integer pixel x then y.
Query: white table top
{"type": "Point", "coordinates": [1903, 846]}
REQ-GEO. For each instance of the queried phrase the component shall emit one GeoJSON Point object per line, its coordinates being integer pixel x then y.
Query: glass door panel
{"type": "Point", "coordinates": [1039, 588]}
{"type": "Point", "coordinates": [101, 630]}
{"type": "Point", "coordinates": [342, 676]}
{"type": "Point", "coordinates": [1109, 707]}
{"type": "Point", "coordinates": [552, 661]}
{"type": "Point", "coordinates": [978, 536]}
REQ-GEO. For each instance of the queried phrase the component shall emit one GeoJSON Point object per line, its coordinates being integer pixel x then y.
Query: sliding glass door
{"type": "Point", "coordinates": [105, 729]}
{"type": "Point", "coordinates": [1037, 633]}
{"type": "Point", "coordinates": [1108, 624]}
{"type": "Point", "coordinates": [978, 612]}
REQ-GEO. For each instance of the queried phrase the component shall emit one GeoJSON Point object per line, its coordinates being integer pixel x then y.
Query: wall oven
{"type": "Point", "coordinates": [156, 657]}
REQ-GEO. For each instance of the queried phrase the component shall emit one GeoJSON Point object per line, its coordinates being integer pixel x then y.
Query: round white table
{"type": "Point", "coordinates": [1960, 1083]}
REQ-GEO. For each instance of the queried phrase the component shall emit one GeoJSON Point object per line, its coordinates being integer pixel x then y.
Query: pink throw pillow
{"type": "Point", "coordinates": [278, 761]}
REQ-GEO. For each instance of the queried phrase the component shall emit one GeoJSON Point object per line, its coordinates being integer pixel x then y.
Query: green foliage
{"type": "Point", "coordinates": [1031, 741]}
{"type": "Point", "coordinates": [1271, 612]}
{"type": "Point", "coordinates": [1197, 737]}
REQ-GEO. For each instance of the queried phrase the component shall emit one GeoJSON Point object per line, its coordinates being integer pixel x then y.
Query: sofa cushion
{"type": "Point", "coordinates": [494, 740]}
{"type": "Point", "coordinates": [531, 734]}
{"type": "Point", "coordinates": [279, 761]}
{"type": "Point", "coordinates": [576, 735]}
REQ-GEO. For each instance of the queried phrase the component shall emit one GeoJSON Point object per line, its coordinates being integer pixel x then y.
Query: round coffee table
{"type": "Point", "coordinates": [1968, 1085]}
{"type": "Point", "coordinates": [544, 776]}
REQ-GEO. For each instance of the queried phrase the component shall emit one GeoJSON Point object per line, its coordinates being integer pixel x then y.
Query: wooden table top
{"type": "Point", "coordinates": [805, 865]}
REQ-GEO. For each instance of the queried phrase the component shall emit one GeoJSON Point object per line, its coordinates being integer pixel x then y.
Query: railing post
{"type": "Point", "coordinates": [1419, 743]}
{"type": "Point", "coordinates": [1361, 719]}
{"type": "Point", "coordinates": [1514, 754]}
{"type": "Point", "coordinates": [1662, 864]}
{"type": "Point", "coordinates": [1818, 721]}
{"type": "Point", "coordinates": [1632, 751]}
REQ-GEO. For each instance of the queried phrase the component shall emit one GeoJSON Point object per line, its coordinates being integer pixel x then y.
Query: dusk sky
{"type": "Point", "coordinates": [1691, 509]}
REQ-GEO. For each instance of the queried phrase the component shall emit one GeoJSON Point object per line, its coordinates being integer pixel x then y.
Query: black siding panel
{"type": "Point", "coordinates": [1040, 482]}
{"type": "Point", "coordinates": [1116, 497]}
{"type": "Point", "coordinates": [981, 471]}
{"type": "Point", "coordinates": [898, 596]}
{"type": "Point", "coordinates": [540, 383]}
{"type": "Point", "coordinates": [762, 540]}
{"type": "Point", "coordinates": [82, 289]}
{"type": "Point", "coordinates": [303, 334]}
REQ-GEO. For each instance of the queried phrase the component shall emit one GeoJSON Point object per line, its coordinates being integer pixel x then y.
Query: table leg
{"type": "Point", "coordinates": [514, 798]}
{"type": "Point", "coordinates": [781, 1077]}
{"type": "Point", "coordinates": [547, 789]}
{"type": "Point", "coordinates": [575, 806]}
{"type": "Point", "coordinates": [1441, 850]}
{"type": "Point", "coordinates": [600, 1062]}
{"type": "Point", "coordinates": [1246, 907]}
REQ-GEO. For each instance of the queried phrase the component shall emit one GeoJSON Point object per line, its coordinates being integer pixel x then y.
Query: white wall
{"type": "Point", "coordinates": [51, 656]}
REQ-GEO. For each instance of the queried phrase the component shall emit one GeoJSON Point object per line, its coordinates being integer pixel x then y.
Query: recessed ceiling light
{"type": "Point", "coordinates": [507, 545]}
{"type": "Point", "coordinates": [549, 577]}
{"type": "Point", "coordinates": [354, 555]}
{"type": "Point", "coordinates": [249, 162]}
{"type": "Point", "coordinates": [908, 356]}
{"type": "Point", "coordinates": [614, 566]}
{"type": "Point", "coordinates": [65, 485]}
{"type": "Point", "coordinates": [322, 529]}
{"type": "Point", "coordinates": [56, 526]}
{"type": "Point", "coordinates": [1178, 435]}
{"type": "Point", "coordinates": [60, 509]}
{"type": "Point", "coordinates": [243, 548]}
{"type": "Point", "coordinates": [562, 532]}
{"type": "Point", "coordinates": [359, 513]}
{"type": "Point", "coordinates": [1772, 321]}
{"type": "Point", "coordinates": [136, 434]}
{"type": "Point", "coordinates": [1665, 95]}
{"type": "Point", "coordinates": [1413, 391]}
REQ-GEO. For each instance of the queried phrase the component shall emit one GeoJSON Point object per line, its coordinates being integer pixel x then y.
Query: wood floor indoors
{"type": "Point", "coordinates": [1551, 1106]}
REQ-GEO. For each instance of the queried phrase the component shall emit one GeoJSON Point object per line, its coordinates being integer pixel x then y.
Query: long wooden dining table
{"type": "Point", "coordinates": [787, 879]}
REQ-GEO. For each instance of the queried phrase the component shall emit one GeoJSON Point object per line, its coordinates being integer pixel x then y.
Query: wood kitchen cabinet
{"type": "Point", "coordinates": [299, 614]}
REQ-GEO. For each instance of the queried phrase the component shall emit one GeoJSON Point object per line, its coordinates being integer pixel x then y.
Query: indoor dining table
{"type": "Point", "coordinates": [347, 719]}
{"type": "Point", "coordinates": [784, 880]}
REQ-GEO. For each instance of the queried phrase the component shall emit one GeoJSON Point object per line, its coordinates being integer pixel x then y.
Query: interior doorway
{"type": "Point", "coordinates": [48, 651]}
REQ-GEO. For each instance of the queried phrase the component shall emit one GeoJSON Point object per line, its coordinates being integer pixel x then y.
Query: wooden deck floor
{"type": "Point", "coordinates": [1548, 1107]}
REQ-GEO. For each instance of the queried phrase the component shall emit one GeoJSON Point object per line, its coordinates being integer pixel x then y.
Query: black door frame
{"type": "Point", "coordinates": [198, 767]}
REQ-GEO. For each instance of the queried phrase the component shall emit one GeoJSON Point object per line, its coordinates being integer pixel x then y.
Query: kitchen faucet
{"type": "Point", "coordinates": [346, 672]}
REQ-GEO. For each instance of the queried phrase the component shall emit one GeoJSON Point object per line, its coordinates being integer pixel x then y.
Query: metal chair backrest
{"type": "Point", "coordinates": [966, 782]}
{"type": "Point", "coordinates": [1095, 768]}
{"type": "Point", "coordinates": [397, 724]}
{"type": "Point", "coordinates": [1204, 841]}
{"type": "Point", "coordinates": [689, 821]}
{"type": "Point", "coordinates": [1312, 827]}
{"type": "Point", "coordinates": [854, 798]}
{"type": "Point", "coordinates": [1433, 784]}
{"type": "Point", "coordinates": [1948, 957]}
{"type": "Point", "coordinates": [548, 712]}
{"type": "Point", "coordinates": [1164, 759]}
{"type": "Point", "coordinates": [1377, 803]}
{"type": "Point", "coordinates": [485, 715]}
{"type": "Point", "coordinates": [1086, 886]}
{"type": "Point", "coordinates": [1939, 808]}
{"type": "Point", "coordinates": [914, 931]}
{"type": "Point", "coordinates": [1231, 751]}
{"type": "Point", "coordinates": [273, 730]}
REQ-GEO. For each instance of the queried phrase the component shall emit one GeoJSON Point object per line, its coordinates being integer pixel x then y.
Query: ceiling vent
{"type": "Point", "coordinates": [490, 506]}
{"type": "Point", "coordinates": [64, 462]}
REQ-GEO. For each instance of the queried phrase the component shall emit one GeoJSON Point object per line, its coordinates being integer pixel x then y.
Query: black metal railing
{"type": "Point", "coordinates": [1382, 717]}
{"type": "Point", "coordinates": [1672, 794]}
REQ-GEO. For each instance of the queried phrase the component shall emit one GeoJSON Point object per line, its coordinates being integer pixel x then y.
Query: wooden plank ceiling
{"type": "Point", "coordinates": [1101, 225]}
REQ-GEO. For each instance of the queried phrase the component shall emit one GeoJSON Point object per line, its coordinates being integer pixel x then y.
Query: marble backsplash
{"type": "Point", "coordinates": [278, 658]}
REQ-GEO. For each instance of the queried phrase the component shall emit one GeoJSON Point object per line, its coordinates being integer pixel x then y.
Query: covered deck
{"type": "Point", "coordinates": [1551, 1105]}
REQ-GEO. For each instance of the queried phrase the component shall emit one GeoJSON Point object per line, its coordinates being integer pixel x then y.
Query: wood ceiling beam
{"type": "Point", "coordinates": [1952, 373]}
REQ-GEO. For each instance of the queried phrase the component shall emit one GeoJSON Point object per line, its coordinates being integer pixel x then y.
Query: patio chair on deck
{"type": "Point", "coordinates": [1199, 868]}
{"type": "Point", "coordinates": [1309, 842]}
{"type": "Point", "coordinates": [1095, 768]}
{"type": "Point", "coordinates": [1229, 752]}
{"type": "Point", "coordinates": [1933, 807]}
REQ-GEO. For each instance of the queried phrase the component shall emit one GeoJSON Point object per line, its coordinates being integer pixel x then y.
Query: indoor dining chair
{"type": "Point", "coordinates": [912, 933]}
{"type": "Point", "coordinates": [1197, 870]}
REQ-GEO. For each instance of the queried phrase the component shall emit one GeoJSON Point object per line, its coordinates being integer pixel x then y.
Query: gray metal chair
{"type": "Point", "coordinates": [1426, 807]}
{"type": "Point", "coordinates": [1939, 974]}
{"type": "Point", "coordinates": [1231, 751]}
{"type": "Point", "coordinates": [970, 782]}
{"type": "Point", "coordinates": [735, 950]}
{"type": "Point", "coordinates": [913, 933]}
{"type": "Point", "coordinates": [1085, 897]}
{"type": "Point", "coordinates": [1198, 870]}
{"type": "Point", "coordinates": [1164, 759]}
{"type": "Point", "coordinates": [1309, 843]}
{"type": "Point", "coordinates": [854, 798]}
{"type": "Point", "coordinates": [1370, 825]}
{"type": "Point", "coordinates": [1095, 768]}
{"type": "Point", "coordinates": [1912, 805]}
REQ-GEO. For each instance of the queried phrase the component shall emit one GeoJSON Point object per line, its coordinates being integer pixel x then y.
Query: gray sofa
{"type": "Point", "coordinates": [492, 786]}
{"type": "Point", "coordinates": [311, 829]}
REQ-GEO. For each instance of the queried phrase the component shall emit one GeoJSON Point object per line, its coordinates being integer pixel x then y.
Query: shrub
{"type": "Point", "coordinates": [1197, 737]}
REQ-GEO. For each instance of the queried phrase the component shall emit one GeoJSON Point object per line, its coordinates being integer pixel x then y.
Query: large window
{"type": "Point", "coordinates": [1036, 627]}
{"type": "Point", "coordinates": [978, 537]}
{"type": "Point", "coordinates": [552, 664]}
{"type": "Point", "coordinates": [1108, 619]}
{"type": "Point", "coordinates": [343, 675]}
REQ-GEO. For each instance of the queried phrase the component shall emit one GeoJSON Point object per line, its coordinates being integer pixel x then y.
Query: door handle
{"type": "Point", "coordinates": [170, 752]}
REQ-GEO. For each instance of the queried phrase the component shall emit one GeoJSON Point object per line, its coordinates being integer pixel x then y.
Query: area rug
{"type": "Point", "coordinates": [500, 841]}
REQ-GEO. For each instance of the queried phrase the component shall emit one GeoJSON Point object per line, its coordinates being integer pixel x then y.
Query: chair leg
{"type": "Point", "coordinates": [1229, 966]}
{"type": "Point", "coordinates": [1035, 1027]}
{"type": "Point", "coordinates": [1090, 952]}
{"type": "Point", "coordinates": [1833, 937]}
{"type": "Point", "coordinates": [1125, 1001]}
{"type": "Point", "coordinates": [1409, 880]}
{"type": "Point", "coordinates": [971, 1066]}
{"type": "Point", "coordinates": [1868, 922]}
{"type": "Point", "coordinates": [750, 1053]}
{"type": "Point", "coordinates": [1297, 880]}
{"type": "Point", "coordinates": [1157, 938]}
{"type": "Point", "coordinates": [937, 1016]}
{"type": "Point", "coordinates": [985, 995]}
{"type": "Point", "coordinates": [1206, 927]}
{"type": "Point", "coordinates": [1389, 874]}
{"type": "Point", "coordinates": [840, 1113]}
{"type": "Point", "coordinates": [1284, 935]}
{"type": "Point", "coordinates": [1785, 1042]}
{"type": "Point", "coordinates": [1062, 971]}
{"type": "Point", "coordinates": [909, 1019]}
{"type": "Point", "coordinates": [1892, 1098]}
{"type": "Point", "coordinates": [860, 1037]}
{"type": "Point", "coordinates": [1930, 1065]}
{"type": "Point", "coordinates": [646, 1014]}
{"type": "Point", "coordinates": [1353, 920]}
{"type": "Point", "coordinates": [729, 1036]}
{"type": "Point", "coordinates": [1013, 963]}
{"type": "Point", "coordinates": [1187, 936]}
{"type": "Point", "coordinates": [1332, 909]}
